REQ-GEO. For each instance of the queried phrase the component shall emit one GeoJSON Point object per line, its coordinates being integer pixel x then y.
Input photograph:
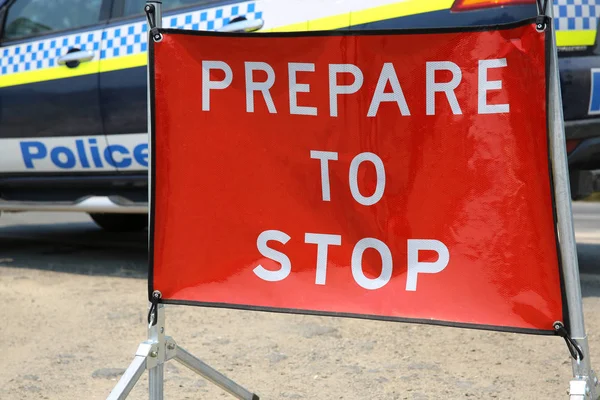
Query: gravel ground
{"type": "Point", "coordinates": [74, 313]}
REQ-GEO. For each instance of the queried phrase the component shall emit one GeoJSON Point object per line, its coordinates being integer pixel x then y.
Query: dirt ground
{"type": "Point", "coordinates": [74, 314]}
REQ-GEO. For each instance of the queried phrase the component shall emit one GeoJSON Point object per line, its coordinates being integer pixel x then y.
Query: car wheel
{"type": "Point", "coordinates": [121, 222]}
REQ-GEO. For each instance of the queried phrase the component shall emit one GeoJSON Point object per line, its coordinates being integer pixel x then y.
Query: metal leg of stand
{"type": "Point", "coordinates": [584, 382]}
{"type": "Point", "coordinates": [213, 375]}
{"type": "Point", "coordinates": [156, 334]}
{"type": "Point", "coordinates": [155, 352]}
{"type": "Point", "coordinates": [155, 383]}
{"type": "Point", "coordinates": [578, 389]}
{"type": "Point", "coordinates": [151, 355]}
{"type": "Point", "coordinates": [132, 374]}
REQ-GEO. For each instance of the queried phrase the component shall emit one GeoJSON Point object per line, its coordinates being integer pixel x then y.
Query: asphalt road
{"type": "Point", "coordinates": [587, 233]}
{"type": "Point", "coordinates": [74, 241]}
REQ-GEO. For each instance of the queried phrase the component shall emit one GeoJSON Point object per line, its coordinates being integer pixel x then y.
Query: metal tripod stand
{"type": "Point", "coordinates": [155, 352]}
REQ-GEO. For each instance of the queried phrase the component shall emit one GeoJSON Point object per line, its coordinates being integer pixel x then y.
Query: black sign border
{"type": "Point", "coordinates": [151, 228]}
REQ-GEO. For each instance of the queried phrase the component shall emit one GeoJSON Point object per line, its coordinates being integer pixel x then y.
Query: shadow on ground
{"type": "Point", "coordinates": [589, 257]}
{"type": "Point", "coordinates": [79, 248]}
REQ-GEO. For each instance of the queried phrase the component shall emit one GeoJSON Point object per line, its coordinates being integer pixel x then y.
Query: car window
{"type": "Point", "coordinates": [135, 7]}
{"type": "Point", "coordinates": [34, 17]}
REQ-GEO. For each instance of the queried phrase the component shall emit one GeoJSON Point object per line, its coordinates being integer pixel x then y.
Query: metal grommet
{"type": "Point", "coordinates": [540, 27]}
{"type": "Point", "coordinates": [558, 325]}
{"type": "Point", "coordinates": [158, 37]}
{"type": "Point", "coordinates": [541, 23]}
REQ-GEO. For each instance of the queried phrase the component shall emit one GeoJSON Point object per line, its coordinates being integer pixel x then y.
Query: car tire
{"type": "Point", "coordinates": [121, 222]}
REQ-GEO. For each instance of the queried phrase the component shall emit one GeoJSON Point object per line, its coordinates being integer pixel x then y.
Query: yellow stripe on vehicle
{"type": "Point", "coordinates": [396, 10]}
{"type": "Point", "coordinates": [48, 74]}
{"type": "Point", "coordinates": [86, 68]}
{"type": "Point", "coordinates": [329, 23]}
{"type": "Point", "coordinates": [124, 62]}
{"type": "Point", "coordinates": [403, 9]}
{"type": "Point", "coordinates": [576, 38]}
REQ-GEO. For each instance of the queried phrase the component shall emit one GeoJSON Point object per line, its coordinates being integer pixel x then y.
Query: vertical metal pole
{"type": "Point", "coordinates": [562, 193]}
{"type": "Point", "coordinates": [158, 13]}
{"type": "Point", "coordinates": [156, 332]}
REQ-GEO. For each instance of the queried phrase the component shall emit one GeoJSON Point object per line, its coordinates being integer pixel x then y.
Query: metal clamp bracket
{"type": "Point", "coordinates": [542, 20]}
{"type": "Point", "coordinates": [153, 353]}
{"type": "Point", "coordinates": [151, 13]}
{"type": "Point", "coordinates": [574, 348]}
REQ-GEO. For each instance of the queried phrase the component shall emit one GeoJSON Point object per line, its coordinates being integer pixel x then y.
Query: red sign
{"type": "Point", "coordinates": [390, 175]}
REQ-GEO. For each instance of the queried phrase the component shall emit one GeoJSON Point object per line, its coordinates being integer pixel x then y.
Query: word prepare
{"type": "Point", "coordinates": [387, 77]}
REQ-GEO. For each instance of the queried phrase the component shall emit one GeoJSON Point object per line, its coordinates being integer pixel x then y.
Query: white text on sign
{"type": "Point", "coordinates": [323, 241]}
{"type": "Point", "coordinates": [387, 76]}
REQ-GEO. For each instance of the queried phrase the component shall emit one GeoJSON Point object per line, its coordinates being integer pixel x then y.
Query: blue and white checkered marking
{"type": "Point", "coordinates": [131, 39]}
{"type": "Point", "coordinates": [116, 41]}
{"type": "Point", "coordinates": [576, 14]}
{"type": "Point", "coordinates": [41, 54]}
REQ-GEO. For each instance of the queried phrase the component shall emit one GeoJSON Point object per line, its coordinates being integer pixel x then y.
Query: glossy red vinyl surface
{"type": "Point", "coordinates": [477, 183]}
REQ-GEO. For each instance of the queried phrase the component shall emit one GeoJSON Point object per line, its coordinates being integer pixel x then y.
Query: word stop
{"type": "Point", "coordinates": [323, 241]}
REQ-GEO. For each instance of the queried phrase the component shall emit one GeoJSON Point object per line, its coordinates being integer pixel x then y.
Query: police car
{"type": "Point", "coordinates": [73, 122]}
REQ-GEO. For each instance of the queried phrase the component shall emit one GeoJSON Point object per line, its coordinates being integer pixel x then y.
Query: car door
{"type": "Point", "coordinates": [50, 120]}
{"type": "Point", "coordinates": [123, 67]}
